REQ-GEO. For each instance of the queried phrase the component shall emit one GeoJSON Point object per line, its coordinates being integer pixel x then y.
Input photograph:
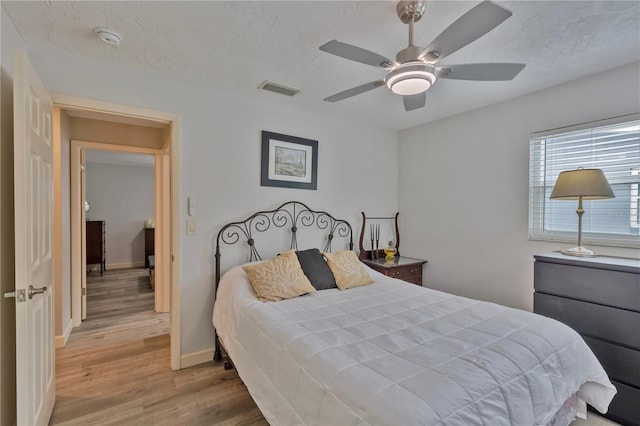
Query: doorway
{"type": "Point", "coordinates": [98, 116]}
{"type": "Point", "coordinates": [120, 231]}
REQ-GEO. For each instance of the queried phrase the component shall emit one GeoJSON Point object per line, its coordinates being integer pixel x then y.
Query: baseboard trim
{"type": "Point", "coordinates": [62, 340]}
{"type": "Point", "coordinates": [124, 265]}
{"type": "Point", "coordinates": [196, 358]}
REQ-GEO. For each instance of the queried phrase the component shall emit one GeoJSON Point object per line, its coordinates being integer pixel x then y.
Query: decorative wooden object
{"type": "Point", "coordinates": [379, 253]}
{"type": "Point", "coordinates": [96, 250]}
{"type": "Point", "coordinates": [404, 268]}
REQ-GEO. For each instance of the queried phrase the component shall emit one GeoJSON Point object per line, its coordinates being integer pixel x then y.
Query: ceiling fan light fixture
{"type": "Point", "coordinates": [411, 78]}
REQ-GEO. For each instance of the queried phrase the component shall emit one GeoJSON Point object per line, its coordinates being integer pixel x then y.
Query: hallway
{"type": "Point", "coordinates": [115, 367]}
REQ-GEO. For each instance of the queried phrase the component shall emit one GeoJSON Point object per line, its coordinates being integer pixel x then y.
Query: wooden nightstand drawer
{"type": "Point", "coordinates": [402, 268]}
{"type": "Point", "coordinates": [411, 273]}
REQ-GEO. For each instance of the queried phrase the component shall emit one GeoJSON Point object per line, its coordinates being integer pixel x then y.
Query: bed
{"type": "Point", "coordinates": [392, 353]}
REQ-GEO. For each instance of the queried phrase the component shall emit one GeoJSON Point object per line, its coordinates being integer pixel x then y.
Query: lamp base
{"type": "Point", "coordinates": [579, 251]}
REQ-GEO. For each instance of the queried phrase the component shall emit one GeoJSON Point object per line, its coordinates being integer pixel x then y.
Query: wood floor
{"type": "Point", "coordinates": [115, 367]}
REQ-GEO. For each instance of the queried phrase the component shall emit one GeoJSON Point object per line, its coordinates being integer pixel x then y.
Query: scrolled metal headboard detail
{"type": "Point", "coordinates": [292, 214]}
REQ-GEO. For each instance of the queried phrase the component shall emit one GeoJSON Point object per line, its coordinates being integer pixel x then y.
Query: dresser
{"type": "Point", "coordinates": [149, 241]}
{"type": "Point", "coordinates": [599, 298]}
{"type": "Point", "coordinates": [96, 250]}
{"type": "Point", "coordinates": [404, 268]}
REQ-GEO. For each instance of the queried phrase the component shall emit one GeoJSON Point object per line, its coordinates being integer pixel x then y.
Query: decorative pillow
{"type": "Point", "coordinates": [279, 278]}
{"type": "Point", "coordinates": [347, 269]}
{"type": "Point", "coordinates": [316, 269]}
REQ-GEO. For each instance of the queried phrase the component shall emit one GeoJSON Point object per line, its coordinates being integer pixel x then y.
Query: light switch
{"type": "Point", "coordinates": [191, 205]}
{"type": "Point", "coordinates": [191, 227]}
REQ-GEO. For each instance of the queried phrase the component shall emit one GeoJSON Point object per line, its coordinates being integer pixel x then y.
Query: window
{"type": "Point", "coordinates": [611, 145]}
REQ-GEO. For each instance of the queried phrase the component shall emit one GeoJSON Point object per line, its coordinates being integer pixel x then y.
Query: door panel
{"type": "Point", "coordinates": [33, 192]}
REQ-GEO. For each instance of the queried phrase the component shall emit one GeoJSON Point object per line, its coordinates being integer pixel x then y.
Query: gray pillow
{"type": "Point", "coordinates": [316, 269]}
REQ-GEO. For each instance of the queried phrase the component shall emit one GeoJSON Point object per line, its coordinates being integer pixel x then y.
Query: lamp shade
{"type": "Point", "coordinates": [590, 184]}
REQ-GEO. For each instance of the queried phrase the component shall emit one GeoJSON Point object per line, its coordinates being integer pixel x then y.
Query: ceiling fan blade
{"type": "Point", "coordinates": [357, 54]}
{"type": "Point", "coordinates": [466, 29]}
{"type": "Point", "coordinates": [481, 72]}
{"type": "Point", "coordinates": [414, 101]}
{"type": "Point", "coordinates": [355, 91]}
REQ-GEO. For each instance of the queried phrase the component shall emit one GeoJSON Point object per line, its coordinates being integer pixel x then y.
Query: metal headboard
{"type": "Point", "coordinates": [292, 214]}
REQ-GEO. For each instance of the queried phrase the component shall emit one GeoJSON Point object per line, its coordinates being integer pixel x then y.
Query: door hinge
{"type": "Point", "coordinates": [84, 291]}
{"type": "Point", "coordinates": [19, 295]}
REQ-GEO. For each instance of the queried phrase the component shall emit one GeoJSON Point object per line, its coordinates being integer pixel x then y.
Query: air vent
{"type": "Point", "coordinates": [278, 88]}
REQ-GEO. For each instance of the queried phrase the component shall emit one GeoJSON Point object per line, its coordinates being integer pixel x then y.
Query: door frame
{"type": "Point", "coordinates": [78, 232]}
{"type": "Point", "coordinates": [168, 202]}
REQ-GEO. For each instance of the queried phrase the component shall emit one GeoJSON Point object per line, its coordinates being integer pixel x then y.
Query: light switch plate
{"type": "Point", "coordinates": [191, 227]}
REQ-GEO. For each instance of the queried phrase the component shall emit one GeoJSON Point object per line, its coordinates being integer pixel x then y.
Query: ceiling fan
{"type": "Point", "coordinates": [416, 69]}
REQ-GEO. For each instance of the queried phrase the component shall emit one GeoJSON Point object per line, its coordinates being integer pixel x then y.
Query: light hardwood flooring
{"type": "Point", "coordinates": [115, 367]}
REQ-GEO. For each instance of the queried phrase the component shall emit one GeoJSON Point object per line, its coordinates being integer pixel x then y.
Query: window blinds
{"type": "Point", "coordinates": [611, 145]}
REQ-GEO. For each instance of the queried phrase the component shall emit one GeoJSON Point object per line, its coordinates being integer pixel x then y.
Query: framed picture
{"type": "Point", "coordinates": [289, 161]}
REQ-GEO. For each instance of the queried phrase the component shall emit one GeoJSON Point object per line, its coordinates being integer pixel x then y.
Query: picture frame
{"type": "Point", "coordinates": [288, 161]}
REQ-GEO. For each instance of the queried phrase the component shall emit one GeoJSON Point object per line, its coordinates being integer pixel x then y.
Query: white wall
{"type": "Point", "coordinates": [220, 163]}
{"type": "Point", "coordinates": [123, 196]}
{"type": "Point", "coordinates": [463, 186]}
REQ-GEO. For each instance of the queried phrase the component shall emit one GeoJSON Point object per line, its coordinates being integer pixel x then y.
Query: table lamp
{"type": "Point", "coordinates": [581, 184]}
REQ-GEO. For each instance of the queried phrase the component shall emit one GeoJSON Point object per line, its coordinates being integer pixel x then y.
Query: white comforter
{"type": "Point", "coordinates": [392, 353]}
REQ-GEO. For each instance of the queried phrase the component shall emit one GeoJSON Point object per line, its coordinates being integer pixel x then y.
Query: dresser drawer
{"type": "Point", "coordinates": [607, 287]}
{"type": "Point", "coordinates": [625, 407]}
{"type": "Point", "coordinates": [616, 325]}
{"type": "Point", "coordinates": [619, 362]}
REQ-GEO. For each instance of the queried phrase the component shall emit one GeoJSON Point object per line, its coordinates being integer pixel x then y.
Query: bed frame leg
{"type": "Point", "coordinates": [217, 355]}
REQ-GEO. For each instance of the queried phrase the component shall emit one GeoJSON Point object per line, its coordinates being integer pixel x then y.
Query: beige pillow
{"type": "Point", "coordinates": [279, 278]}
{"type": "Point", "coordinates": [347, 269]}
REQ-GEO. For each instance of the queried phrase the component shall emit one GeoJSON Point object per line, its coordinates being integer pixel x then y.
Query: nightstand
{"type": "Point", "coordinates": [404, 268]}
{"type": "Point", "coordinates": [599, 297]}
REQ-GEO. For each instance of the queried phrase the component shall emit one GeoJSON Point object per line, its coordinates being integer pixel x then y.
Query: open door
{"type": "Point", "coordinates": [33, 155]}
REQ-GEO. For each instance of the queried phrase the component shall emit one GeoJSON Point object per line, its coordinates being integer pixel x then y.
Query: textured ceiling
{"type": "Point", "coordinates": [238, 45]}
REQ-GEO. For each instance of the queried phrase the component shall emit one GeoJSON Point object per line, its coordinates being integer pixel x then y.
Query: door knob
{"type": "Point", "coordinates": [32, 290]}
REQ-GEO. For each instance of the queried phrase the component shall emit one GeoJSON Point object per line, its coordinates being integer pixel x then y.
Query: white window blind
{"type": "Point", "coordinates": [611, 145]}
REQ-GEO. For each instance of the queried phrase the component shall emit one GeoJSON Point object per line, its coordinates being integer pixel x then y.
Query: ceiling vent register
{"type": "Point", "coordinates": [278, 88]}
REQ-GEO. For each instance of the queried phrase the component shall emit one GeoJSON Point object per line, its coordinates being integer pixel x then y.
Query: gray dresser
{"type": "Point", "coordinates": [599, 298]}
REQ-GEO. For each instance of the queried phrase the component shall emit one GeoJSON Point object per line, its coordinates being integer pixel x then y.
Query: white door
{"type": "Point", "coordinates": [33, 194]}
